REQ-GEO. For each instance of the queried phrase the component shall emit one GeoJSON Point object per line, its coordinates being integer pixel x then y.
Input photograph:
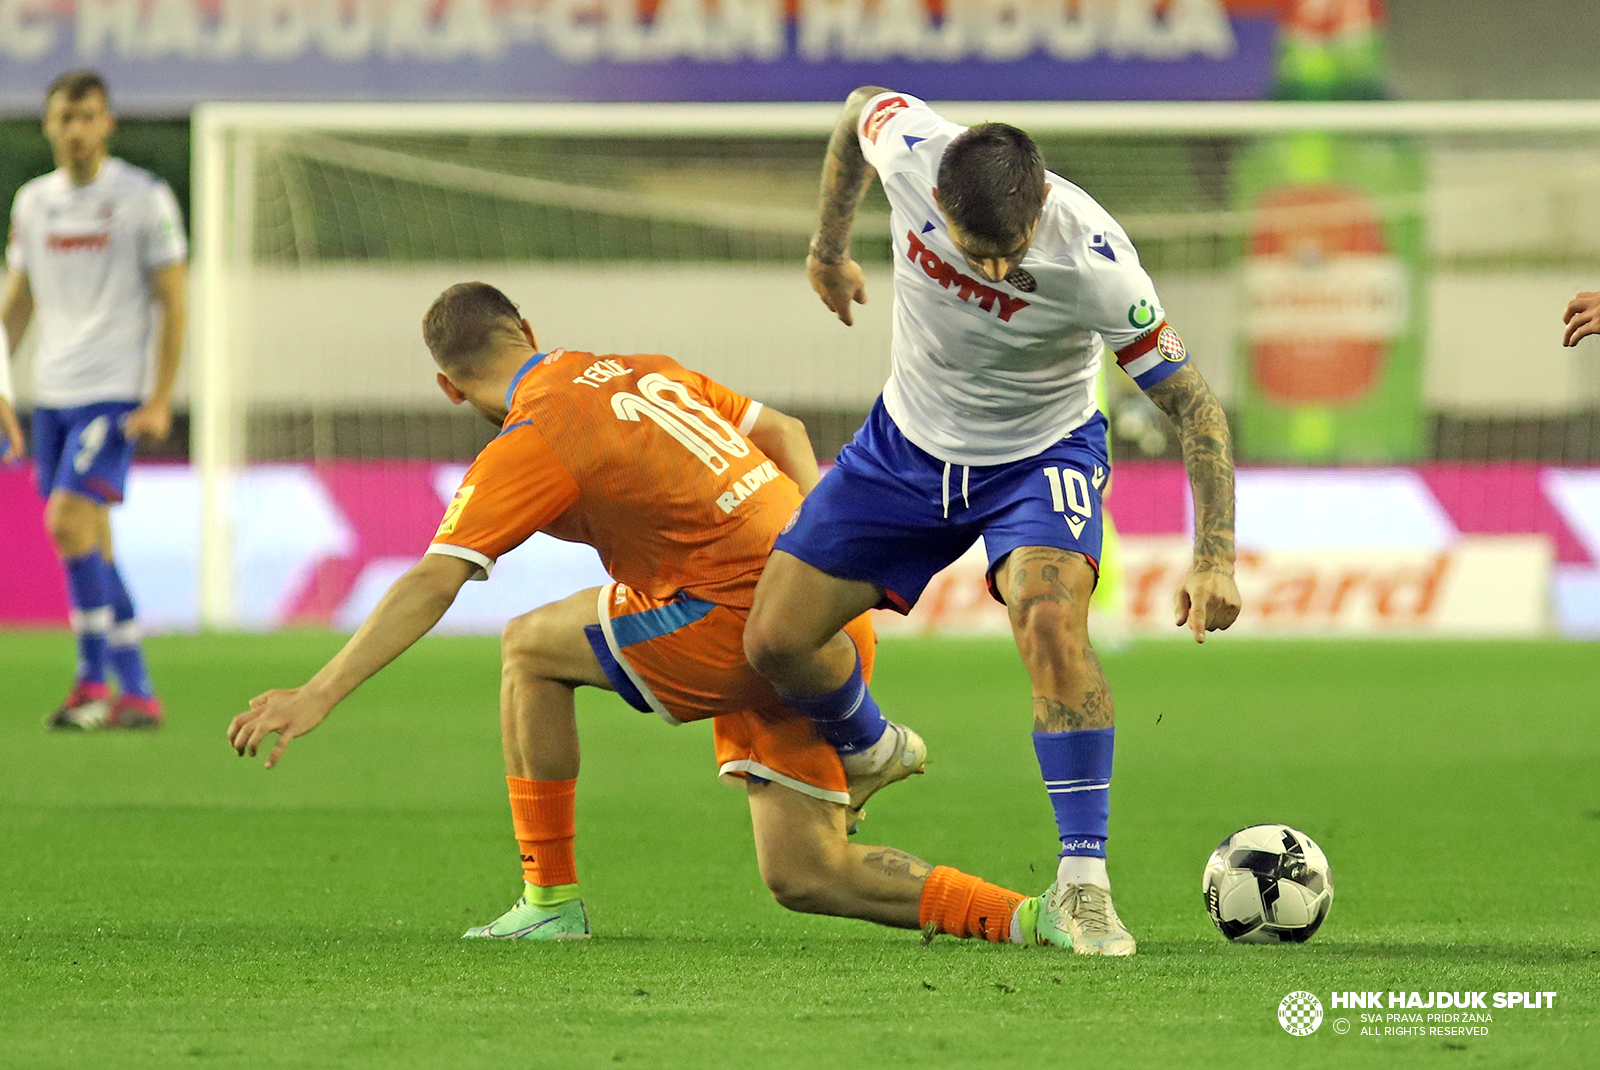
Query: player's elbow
{"type": "Point", "coordinates": [861, 94]}
{"type": "Point", "coordinates": [857, 100]}
{"type": "Point", "coordinates": [782, 436]}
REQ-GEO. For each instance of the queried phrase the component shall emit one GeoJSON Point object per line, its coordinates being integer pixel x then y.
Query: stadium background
{"type": "Point", "coordinates": [1470, 423]}
{"type": "Point", "coordinates": [163, 904]}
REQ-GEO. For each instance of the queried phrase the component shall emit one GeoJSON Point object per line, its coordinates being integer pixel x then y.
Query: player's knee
{"type": "Point", "coordinates": [526, 643]}
{"type": "Point", "coordinates": [768, 649]}
{"type": "Point", "coordinates": [71, 527]}
{"type": "Point", "coordinates": [1052, 636]}
{"type": "Point", "coordinates": [803, 887]}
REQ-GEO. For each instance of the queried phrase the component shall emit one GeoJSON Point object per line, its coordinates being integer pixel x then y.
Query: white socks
{"type": "Point", "coordinates": [1082, 869]}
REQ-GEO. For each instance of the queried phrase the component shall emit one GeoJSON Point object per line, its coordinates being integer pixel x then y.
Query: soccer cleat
{"type": "Point", "coordinates": [1079, 916]}
{"type": "Point", "coordinates": [86, 706]}
{"type": "Point", "coordinates": [569, 921]}
{"type": "Point", "coordinates": [909, 757]}
{"type": "Point", "coordinates": [130, 711]}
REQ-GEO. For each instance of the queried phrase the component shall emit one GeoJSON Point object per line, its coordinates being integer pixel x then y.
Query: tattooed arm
{"type": "Point", "coordinates": [845, 176]}
{"type": "Point", "coordinates": [1208, 599]}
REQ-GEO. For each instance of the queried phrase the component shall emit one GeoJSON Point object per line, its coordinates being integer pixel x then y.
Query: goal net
{"type": "Point", "coordinates": [1361, 283]}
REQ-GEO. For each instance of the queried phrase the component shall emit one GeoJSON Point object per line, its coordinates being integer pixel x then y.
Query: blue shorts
{"type": "Point", "coordinates": [82, 450]}
{"type": "Point", "coordinates": [891, 514]}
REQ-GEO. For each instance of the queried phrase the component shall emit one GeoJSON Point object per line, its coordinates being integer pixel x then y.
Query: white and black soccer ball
{"type": "Point", "coordinates": [1268, 884]}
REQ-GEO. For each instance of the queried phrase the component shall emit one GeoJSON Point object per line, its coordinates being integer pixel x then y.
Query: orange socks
{"type": "Point", "coordinates": [543, 815]}
{"type": "Point", "coordinates": [963, 905]}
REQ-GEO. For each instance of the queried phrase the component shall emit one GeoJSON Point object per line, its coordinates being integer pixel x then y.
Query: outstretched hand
{"type": "Point", "coordinates": [1208, 601]}
{"type": "Point", "coordinates": [290, 714]}
{"type": "Point", "coordinates": [838, 285]}
{"type": "Point", "coordinates": [1582, 318]}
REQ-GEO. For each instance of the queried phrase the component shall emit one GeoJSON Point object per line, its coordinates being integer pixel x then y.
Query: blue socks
{"type": "Point", "coordinates": [1077, 774]}
{"type": "Point", "coordinates": [848, 718]}
{"type": "Point", "coordinates": [91, 614]}
{"type": "Point", "coordinates": [127, 657]}
{"type": "Point", "coordinates": [103, 622]}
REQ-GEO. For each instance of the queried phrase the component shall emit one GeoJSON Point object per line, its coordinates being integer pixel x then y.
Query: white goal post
{"type": "Point", "coordinates": [389, 146]}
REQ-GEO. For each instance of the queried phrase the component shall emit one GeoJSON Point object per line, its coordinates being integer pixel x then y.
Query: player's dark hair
{"type": "Point", "coordinates": [78, 84]}
{"type": "Point", "coordinates": [991, 183]}
{"type": "Point", "coordinates": [464, 322]}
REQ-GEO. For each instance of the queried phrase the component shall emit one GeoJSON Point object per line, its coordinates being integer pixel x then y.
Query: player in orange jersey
{"type": "Point", "coordinates": [682, 486]}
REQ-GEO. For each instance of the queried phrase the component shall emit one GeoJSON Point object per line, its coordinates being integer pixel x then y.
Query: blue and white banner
{"type": "Point", "coordinates": [166, 55]}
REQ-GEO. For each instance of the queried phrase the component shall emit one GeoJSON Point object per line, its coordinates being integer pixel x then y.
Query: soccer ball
{"type": "Point", "coordinates": [1268, 884]}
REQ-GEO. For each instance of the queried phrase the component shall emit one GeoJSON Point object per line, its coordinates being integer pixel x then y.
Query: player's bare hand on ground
{"type": "Point", "coordinates": [288, 713]}
{"type": "Point", "coordinates": [1208, 601]}
{"type": "Point", "coordinates": [10, 434]}
{"type": "Point", "coordinates": [838, 285]}
{"type": "Point", "coordinates": [1582, 318]}
{"type": "Point", "coordinates": [151, 421]}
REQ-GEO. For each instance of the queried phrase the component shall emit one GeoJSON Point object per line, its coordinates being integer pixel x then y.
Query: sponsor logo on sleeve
{"type": "Point", "coordinates": [1141, 315]}
{"type": "Point", "coordinates": [879, 117]}
{"type": "Point", "coordinates": [1171, 346]}
{"type": "Point", "coordinates": [452, 515]}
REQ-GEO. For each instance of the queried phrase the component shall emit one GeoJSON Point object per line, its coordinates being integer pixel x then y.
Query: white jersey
{"type": "Point", "coordinates": [988, 373]}
{"type": "Point", "coordinates": [89, 253]}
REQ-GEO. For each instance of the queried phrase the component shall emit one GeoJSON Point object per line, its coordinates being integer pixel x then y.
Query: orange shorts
{"type": "Point", "coordinates": [684, 659]}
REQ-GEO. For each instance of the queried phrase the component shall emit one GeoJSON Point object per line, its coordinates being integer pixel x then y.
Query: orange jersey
{"type": "Point", "coordinates": [639, 457]}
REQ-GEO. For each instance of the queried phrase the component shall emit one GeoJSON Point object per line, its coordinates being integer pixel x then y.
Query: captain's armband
{"type": "Point", "coordinates": [1153, 356]}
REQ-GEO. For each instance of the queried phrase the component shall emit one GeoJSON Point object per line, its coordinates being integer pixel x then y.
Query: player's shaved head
{"type": "Point", "coordinates": [991, 184]}
{"type": "Point", "coordinates": [467, 324]}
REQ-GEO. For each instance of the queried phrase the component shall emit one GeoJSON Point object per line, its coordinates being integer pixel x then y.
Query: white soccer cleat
{"type": "Point", "coordinates": [908, 758]}
{"type": "Point", "coordinates": [1080, 916]}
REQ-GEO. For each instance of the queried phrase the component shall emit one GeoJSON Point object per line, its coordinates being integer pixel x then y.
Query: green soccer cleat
{"type": "Point", "coordinates": [569, 921]}
{"type": "Point", "coordinates": [1079, 916]}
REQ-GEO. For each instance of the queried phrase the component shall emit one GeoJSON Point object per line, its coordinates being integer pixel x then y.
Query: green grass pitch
{"type": "Point", "coordinates": [165, 904]}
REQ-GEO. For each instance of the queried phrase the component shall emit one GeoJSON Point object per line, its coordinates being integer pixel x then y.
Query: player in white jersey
{"type": "Point", "coordinates": [1009, 285]}
{"type": "Point", "coordinates": [96, 255]}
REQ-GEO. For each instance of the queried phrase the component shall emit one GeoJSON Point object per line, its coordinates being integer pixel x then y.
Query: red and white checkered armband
{"type": "Point", "coordinates": [1154, 356]}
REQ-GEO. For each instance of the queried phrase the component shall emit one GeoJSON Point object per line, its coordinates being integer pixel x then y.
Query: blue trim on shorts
{"type": "Point", "coordinates": [621, 683]}
{"type": "Point", "coordinates": [641, 627]}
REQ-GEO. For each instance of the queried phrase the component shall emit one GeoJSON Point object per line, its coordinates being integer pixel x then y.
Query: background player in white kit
{"type": "Point", "coordinates": [97, 250]}
{"type": "Point", "coordinates": [1010, 283]}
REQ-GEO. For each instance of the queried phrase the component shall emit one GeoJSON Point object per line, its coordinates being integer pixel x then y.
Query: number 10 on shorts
{"type": "Point", "coordinates": [1069, 488]}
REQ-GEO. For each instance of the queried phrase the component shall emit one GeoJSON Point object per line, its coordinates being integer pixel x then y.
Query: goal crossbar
{"type": "Point", "coordinates": [1120, 117]}
{"type": "Point", "coordinates": [227, 137]}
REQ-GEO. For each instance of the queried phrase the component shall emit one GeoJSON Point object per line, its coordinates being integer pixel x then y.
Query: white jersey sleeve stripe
{"type": "Point", "coordinates": [751, 414]}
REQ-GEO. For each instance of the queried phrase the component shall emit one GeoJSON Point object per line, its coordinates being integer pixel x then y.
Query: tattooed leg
{"type": "Point", "coordinates": [1047, 596]}
{"type": "Point", "coordinates": [1047, 593]}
